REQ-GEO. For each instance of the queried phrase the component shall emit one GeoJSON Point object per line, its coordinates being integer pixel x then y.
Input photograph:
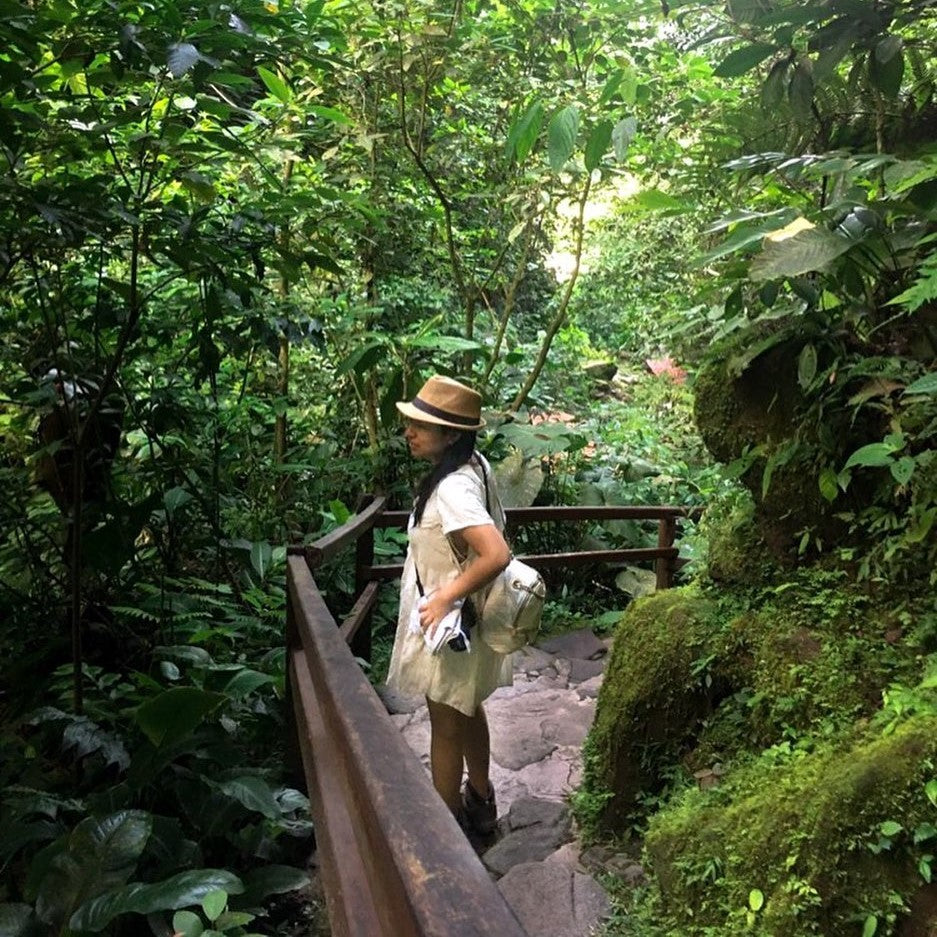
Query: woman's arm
{"type": "Point", "coordinates": [492, 554]}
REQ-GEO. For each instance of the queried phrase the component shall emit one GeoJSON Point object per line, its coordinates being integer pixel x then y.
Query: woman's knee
{"type": "Point", "coordinates": [446, 721]}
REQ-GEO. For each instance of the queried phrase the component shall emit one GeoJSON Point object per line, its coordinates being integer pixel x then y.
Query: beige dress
{"type": "Point", "coordinates": [461, 679]}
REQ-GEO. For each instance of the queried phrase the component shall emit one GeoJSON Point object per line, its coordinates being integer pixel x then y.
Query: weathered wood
{"type": "Point", "coordinates": [359, 613]}
{"type": "Point", "coordinates": [607, 512]}
{"type": "Point", "coordinates": [394, 862]}
{"type": "Point", "coordinates": [664, 567]}
{"type": "Point", "coordinates": [349, 900]}
{"type": "Point", "coordinates": [335, 540]}
{"type": "Point", "coordinates": [591, 557]}
{"type": "Point", "coordinates": [293, 755]}
{"type": "Point", "coordinates": [425, 879]}
{"type": "Point", "coordinates": [359, 637]}
{"type": "Point", "coordinates": [552, 560]}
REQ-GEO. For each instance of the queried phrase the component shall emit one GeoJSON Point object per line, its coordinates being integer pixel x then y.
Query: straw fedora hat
{"type": "Point", "coordinates": [445, 402]}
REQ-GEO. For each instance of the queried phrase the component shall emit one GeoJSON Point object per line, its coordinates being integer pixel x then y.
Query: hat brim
{"type": "Point", "coordinates": [413, 413]}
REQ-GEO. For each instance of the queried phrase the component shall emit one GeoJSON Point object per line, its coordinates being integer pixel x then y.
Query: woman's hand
{"type": "Point", "coordinates": [492, 554]}
{"type": "Point", "coordinates": [433, 608]}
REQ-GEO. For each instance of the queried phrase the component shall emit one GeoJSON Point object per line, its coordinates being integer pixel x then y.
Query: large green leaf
{"type": "Point", "coordinates": [807, 365]}
{"type": "Point", "coordinates": [806, 251]}
{"type": "Point", "coordinates": [923, 385]}
{"type": "Point", "coordinates": [744, 59]}
{"type": "Point", "coordinates": [745, 235]}
{"type": "Point", "coordinates": [542, 439]}
{"type": "Point", "coordinates": [886, 66]}
{"type": "Point", "coordinates": [446, 343]}
{"type": "Point", "coordinates": [636, 581]}
{"type": "Point", "coordinates": [261, 556]}
{"type": "Point", "coordinates": [99, 854]}
{"type": "Point", "coordinates": [519, 479]}
{"type": "Point", "coordinates": [597, 144]}
{"type": "Point", "coordinates": [363, 358]}
{"type": "Point", "coordinates": [254, 793]}
{"type": "Point", "coordinates": [622, 135]}
{"type": "Point", "coordinates": [524, 131]}
{"type": "Point", "coordinates": [183, 56]}
{"type": "Point", "coordinates": [800, 90]}
{"type": "Point", "coordinates": [772, 91]}
{"type": "Point", "coordinates": [244, 683]}
{"type": "Point", "coordinates": [873, 455]}
{"type": "Point", "coordinates": [657, 200]}
{"type": "Point", "coordinates": [561, 136]}
{"type": "Point", "coordinates": [330, 113]}
{"type": "Point", "coordinates": [275, 84]}
{"type": "Point", "coordinates": [172, 715]}
{"type": "Point", "coordinates": [270, 880]}
{"type": "Point", "coordinates": [180, 891]}
{"type": "Point", "coordinates": [187, 924]}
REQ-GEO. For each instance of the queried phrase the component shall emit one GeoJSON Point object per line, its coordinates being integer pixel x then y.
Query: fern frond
{"type": "Point", "coordinates": [923, 290]}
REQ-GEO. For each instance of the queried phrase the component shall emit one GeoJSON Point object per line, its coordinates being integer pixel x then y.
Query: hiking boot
{"type": "Point", "coordinates": [482, 812]}
{"type": "Point", "coordinates": [462, 818]}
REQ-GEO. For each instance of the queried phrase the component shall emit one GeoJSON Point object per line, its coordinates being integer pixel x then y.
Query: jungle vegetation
{"type": "Point", "coordinates": [232, 235]}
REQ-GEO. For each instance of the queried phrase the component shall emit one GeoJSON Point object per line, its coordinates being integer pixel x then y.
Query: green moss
{"type": "Point", "coordinates": [699, 676]}
{"type": "Point", "coordinates": [651, 700]}
{"type": "Point", "coordinates": [735, 552]}
{"type": "Point", "coordinates": [802, 831]}
{"type": "Point", "coordinates": [757, 417]}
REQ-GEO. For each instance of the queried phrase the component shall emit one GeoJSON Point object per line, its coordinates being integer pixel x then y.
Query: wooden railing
{"type": "Point", "coordinates": [394, 862]}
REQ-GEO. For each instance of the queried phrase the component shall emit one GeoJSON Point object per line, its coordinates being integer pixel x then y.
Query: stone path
{"type": "Point", "coordinates": [537, 730]}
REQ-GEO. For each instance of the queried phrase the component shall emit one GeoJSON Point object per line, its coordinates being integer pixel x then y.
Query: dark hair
{"type": "Point", "coordinates": [456, 454]}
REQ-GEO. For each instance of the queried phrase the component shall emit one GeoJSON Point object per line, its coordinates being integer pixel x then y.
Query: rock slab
{"type": "Point", "coordinates": [552, 898]}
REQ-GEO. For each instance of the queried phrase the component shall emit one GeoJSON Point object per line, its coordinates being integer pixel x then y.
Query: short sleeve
{"type": "Point", "coordinates": [460, 502]}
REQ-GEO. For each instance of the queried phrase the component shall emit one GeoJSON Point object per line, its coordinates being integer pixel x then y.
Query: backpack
{"type": "Point", "coordinates": [510, 613]}
{"type": "Point", "coordinates": [510, 616]}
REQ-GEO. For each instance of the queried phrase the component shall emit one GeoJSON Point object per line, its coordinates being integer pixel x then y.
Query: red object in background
{"type": "Point", "coordinates": [667, 367]}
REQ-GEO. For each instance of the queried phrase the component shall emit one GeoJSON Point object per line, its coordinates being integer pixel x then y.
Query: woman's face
{"type": "Point", "coordinates": [427, 441]}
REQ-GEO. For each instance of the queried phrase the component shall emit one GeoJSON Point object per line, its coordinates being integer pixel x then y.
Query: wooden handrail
{"type": "Point", "coordinates": [334, 541]}
{"type": "Point", "coordinates": [395, 863]}
{"type": "Point", "coordinates": [518, 517]}
{"type": "Point", "coordinates": [553, 560]}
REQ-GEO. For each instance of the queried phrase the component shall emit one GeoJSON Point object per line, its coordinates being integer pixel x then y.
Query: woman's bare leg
{"type": "Point", "coordinates": [446, 751]}
{"type": "Point", "coordinates": [476, 745]}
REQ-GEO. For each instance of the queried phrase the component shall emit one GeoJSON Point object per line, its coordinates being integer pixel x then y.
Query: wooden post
{"type": "Point", "coordinates": [666, 530]}
{"type": "Point", "coordinates": [364, 558]}
{"type": "Point", "coordinates": [293, 757]}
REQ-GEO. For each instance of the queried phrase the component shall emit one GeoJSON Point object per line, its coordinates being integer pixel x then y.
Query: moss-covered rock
{"type": "Point", "coordinates": [735, 552]}
{"type": "Point", "coordinates": [757, 415]}
{"type": "Point", "coordinates": [651, 702]}
{"type": "Point", "coordinates": [735, 412]}
{"type": "Point", "coordinates": [826, 836]}
{"type": "Point", "coordinates": [698, 676]}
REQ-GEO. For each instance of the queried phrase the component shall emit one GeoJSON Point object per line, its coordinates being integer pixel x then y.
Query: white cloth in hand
{"type": "Point", "coordinates": [447, 629]}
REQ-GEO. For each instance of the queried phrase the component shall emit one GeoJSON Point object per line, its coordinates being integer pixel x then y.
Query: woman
{"type": "Point", "coordinates": [451, 515]}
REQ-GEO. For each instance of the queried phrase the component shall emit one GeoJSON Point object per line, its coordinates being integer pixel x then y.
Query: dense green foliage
{"type": "Point", "coordinates": [232, 235]}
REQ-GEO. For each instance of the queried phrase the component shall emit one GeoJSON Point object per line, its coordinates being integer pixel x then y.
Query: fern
{"type": "Point", "coordinates": [923, 290]}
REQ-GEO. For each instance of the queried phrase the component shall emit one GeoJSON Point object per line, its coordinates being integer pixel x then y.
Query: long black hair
{"type": "Point", "coordinates": [455, 455]}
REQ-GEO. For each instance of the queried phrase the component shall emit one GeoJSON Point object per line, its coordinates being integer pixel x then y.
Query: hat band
{"type": "Point", "coordinates": [441, 414]}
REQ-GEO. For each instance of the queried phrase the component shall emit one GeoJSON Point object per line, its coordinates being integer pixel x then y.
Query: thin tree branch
{"type": "Point", "coordinates": [560, 316]}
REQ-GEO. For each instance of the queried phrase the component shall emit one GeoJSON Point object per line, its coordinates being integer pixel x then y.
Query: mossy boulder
{"type": "Point", "coordinates": [738, 411]}
{"type": "Point", "coordinates": [827, 837]}
{"type": "Point", "coordinates": [756, 415]}
{"type": "Point", "coordinates": [651, 702]}
{"type": "Point", "coordinates": [735, 552]}
{"type": "Point", "coordinates": [698, 676]}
